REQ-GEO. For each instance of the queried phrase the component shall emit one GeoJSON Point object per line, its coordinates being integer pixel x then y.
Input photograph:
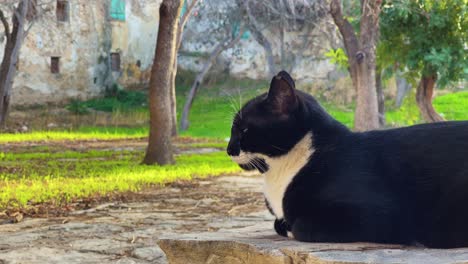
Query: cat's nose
{"type": "Point", "coordinates": [233, 149]}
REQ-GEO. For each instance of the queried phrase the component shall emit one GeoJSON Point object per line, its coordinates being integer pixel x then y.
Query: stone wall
{"type": "Point", "coordinates": [84, 44]}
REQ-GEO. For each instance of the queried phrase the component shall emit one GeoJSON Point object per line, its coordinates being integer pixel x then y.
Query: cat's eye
{"type": "Point", "coordinates": [245, 130]}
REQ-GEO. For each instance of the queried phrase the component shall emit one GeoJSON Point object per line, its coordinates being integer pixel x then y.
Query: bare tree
{"type": "Point", "coordinates": [270, 20]}
{"type": "Point", "coordinates": [361, 51]}
{"type": "Point", "coordinates": [225, 44]}
{"type": "Point", "coordinates": [159, 144]}
{"type": "Point", "coordinates": [23, 14]}
{"type": "Point", "coordinates": [183, 20]}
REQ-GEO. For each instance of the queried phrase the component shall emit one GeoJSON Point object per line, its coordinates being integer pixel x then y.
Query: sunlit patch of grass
{"type": "Point", "coordinates": [84, 133]}
{"type": "Point", "coordinates": [345, 115]}
{"type": "Point", "coordinates": [453, 106]}
{"type": "Point", "coordinates": [58, 178]}
{"type": "Point", "coordinates": [407, 115]}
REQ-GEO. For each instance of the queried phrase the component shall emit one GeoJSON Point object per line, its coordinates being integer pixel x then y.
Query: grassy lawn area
{"type": "Point", "coordinates": [213, 110]}
{"type": "Point", "coordinates": [453, 106]}
{"type": "Point", "coordinates": [61, 177]}
{"type": "Point", "coordinates": [212, 116]}
{"type": "Point", "coordinates": [39, 175]}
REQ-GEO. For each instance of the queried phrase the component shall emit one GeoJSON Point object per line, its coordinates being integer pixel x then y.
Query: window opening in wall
{"type": "Point", "coordinates": [55, 64]}
{"type": "Point", "coordinates": [115, 61]}
{"type": "Point", "coordinates": [63, 11]}
{"type": "Point", "coordinates": [138, 63]}
{"type": "Point", "coordinates": [117, 10]}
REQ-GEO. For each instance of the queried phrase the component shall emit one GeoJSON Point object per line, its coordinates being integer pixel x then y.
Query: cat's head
{"type": "Point", "coordinates": [267, 126]}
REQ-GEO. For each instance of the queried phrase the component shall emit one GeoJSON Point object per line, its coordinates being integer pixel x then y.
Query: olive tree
{"type": "Point", "coordinates": [159, 148]}
{"type": "Point", "coordinates": [427, 40]}
{"type": "Point", "coordinates": [360, 46]}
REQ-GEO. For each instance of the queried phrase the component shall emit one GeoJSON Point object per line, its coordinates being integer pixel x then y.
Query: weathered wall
{"type": "Point", "coordinates": [83, 45]}
{"type": "Point", "coordinates": [135, 39]}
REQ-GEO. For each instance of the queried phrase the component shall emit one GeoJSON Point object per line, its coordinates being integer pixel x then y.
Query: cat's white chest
{"type": "Point", "coordinates": [282, 171]}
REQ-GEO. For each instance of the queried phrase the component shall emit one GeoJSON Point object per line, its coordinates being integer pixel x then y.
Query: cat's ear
{"type": "Point", "coordinates": [282, 95]}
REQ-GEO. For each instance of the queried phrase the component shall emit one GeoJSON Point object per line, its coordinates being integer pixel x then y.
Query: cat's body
{"type": "Point", "coordinates": [325, 183]}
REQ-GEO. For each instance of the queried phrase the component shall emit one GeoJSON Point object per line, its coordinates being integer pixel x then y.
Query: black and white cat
{"type": "Point", "coordinates": [325, 183]}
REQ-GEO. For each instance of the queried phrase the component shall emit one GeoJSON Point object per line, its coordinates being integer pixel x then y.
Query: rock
{"type": "Point", "coordinates": [150, 254]}
{"type": "Point", "coordinates": [102, 246]}
{"type": "Point", "coordinates": [260, 245]}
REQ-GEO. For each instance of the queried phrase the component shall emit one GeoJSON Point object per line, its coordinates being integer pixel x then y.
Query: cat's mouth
{"type": "Point", "coordinates": [249, 162]}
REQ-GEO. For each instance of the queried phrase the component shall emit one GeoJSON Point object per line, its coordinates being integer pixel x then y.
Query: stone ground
{"type": "Point", "coordinates": [128, 232]}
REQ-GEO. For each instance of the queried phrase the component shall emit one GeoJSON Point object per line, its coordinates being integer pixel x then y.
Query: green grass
{"type": "Point", "coordinates": [115, 99]}
{"type": "Point", "coordinates": [214, 107]}
{"type": "Point", "coordinates": [213, 110]}
{"type": "Point", "coordinates": [83, 133]}
{"type": "Point", "coordinates": [212, 116]}
{"type": "Point", "coordinates": [58, 178]}
{"type": "Point", "coordinates": [453, 106]}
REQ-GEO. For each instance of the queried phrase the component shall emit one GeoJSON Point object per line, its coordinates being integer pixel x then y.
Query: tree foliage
{"type": "Point", "coordinates": [423, 37]}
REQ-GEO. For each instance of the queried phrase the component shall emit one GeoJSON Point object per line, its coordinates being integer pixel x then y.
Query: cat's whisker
{"type": "Point", "coordinates": [276, 147]}
{"type": "Point", "coordinates": [229, 119]}
{"type": "Point", "coordinates": [240, 103]}
{"type": "Point", "coordinates": [233, 103]}
{"type": "Point", "coordinates": [260, 165]}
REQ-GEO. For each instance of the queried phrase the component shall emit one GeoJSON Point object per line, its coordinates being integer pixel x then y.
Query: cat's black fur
{"type": "Point", "coordinates": [405, 185]}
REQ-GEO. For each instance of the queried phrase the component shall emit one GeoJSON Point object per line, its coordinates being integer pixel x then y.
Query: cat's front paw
{"type": "Point", "coordinates": [281, 227]}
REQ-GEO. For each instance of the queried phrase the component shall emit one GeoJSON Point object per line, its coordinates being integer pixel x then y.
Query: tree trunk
{"type": "Point", "coordinates": [424, 99]}
{"type": "Point", "coordinates": [380, 97]}
{"type": "Point", "coordinates": [403, 87]}
{"type": "Point", "coordinates": [361, 56]}
{"type": "Point", "coordinates": [173, 99]}
{"type": "Point", "coordinates": [224, 45]}
{"type": "Point", "coordinates": [180, 31]}
{"type": "Point", "coordinates": [159, 144]}
{"type": "Point", "coordinates": [367, 114]}
{"type": "Point", "coordinates": [14, 40]}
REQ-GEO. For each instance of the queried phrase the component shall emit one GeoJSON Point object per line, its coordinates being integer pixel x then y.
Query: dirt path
{"type": "Point", "coordinates": [127, 232]}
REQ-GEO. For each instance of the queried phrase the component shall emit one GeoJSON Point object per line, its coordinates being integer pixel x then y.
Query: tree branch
{"type": "Point", "coordinates": [183, 21]}
{"type": "Point", "coordinates": [5, 24]}
{"type": "Point", "coordinates": [347, 31]}
{"type": "Point", "coordinates": [225, 44]}
{"type": "Point", "coordinates": [260, 38]}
